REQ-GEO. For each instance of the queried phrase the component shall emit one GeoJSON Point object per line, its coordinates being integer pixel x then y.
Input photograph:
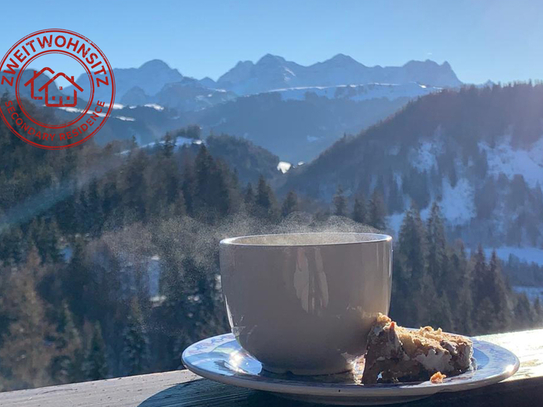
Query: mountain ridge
{"type": "Point", "coordinates": [273, 72]}
{"type": "Point", "coordinates": [477, 151]}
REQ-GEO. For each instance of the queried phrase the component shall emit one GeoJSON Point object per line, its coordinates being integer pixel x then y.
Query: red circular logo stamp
{"type": "Point", "coordinates": [61, 89]}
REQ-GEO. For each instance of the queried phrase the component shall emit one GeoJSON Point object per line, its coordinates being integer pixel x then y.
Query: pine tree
{"type": "Point", "coordinates": [410, 269]}
{"type": "Point", "coordinates": [413, 245]}
{"type": "Point", "coordinates": [135, 353]}
{"type": "Point", "coordinates": [249, 198]}
{"type": "Point", "coordinates": [484, 322]}
{"type": "Point", "coordinates": [12, 246]}
{"type": "Point", "coordinates": [538, 310]}
{"type": "Point", "coordinates": [340, 202]}
{"type": "Point", "coordinates": [214, 191]}
{"type": "Point", "coordinates": [24, 351]}
{"type": "Point", "coordinates": [490, 294]}
{"type": "Point", "coordinates": [415, 184]}
{"type": "Point", "coordinates": [437, 252]}
{"type": "Point", "coordinates": [459, 290]}
{"type": "Point", "coordinates": [168, 147]}
{"type": "Point", "coordinates": [290, 204]}
{"type": "Point", "coordinates": [134, 186]}
{"type": "Point", "coordinates": [66, 365]}
{"type": "Point", "coordinates": [524, 314]}
{"type": "Point", "coordinates": [94, 206]}
{"type": "Point", "coordinates": [222, 190]}
{"type": "Point", "coordinates": [499, 294]}
{"type": "Point", "coordinates": [180, 208]}
{"type": "Point", "coordinates": [395, 198]}
{"type": "Point", "coordinates": [66, 210]}
{"type": "Point", "coordinates": [359, 210]}
{"type": "Point", "coordinates": [164, 187]}
{"type": "Point", "coordinates": [204, 167]}
{"type": "Point", "coordinates": [440, 313]}
{"type": "Point", "coordinates": [112, 208]}
{"type": "Point", "coordinates": [95, 364]}
{"type": "Point", "coordinates": [81, 213]}
{"type": "Point", "coordinates": [46, 238]}
{"type": "Point", "coordinates": [77, 282]}
{"type": "Point", "coordinates": [188, 187]}
{"type": "Point", "coordinates": [437, 263]}
{"type": "Point", "coordinates": [266, 203]}
{"type": "Point", "coordinates": [377, 211]}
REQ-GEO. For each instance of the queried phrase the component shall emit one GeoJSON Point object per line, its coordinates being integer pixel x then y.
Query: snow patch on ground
{"type": "Point", "coordinates": [91, 112]}
{"type": "Point", "coordinates": [283, 166]}
{"type": "Point", "coordinates": [154, 106]}
{"type": "Point", "coordinates": [528, 254]}
{"type": "Point", "coordinates": [457, 204]}
{"type": "Point", "coordinates": [358, 92]}
{"type": "Point", "coordinates": [123, 118]}
{"type": "Point", "coordinates": [71, 109]}
{"type": "Point", "coordinates": [504, 159]}
{"type": "Point", "coordinates": [115, 105]}
{"type": "Point", "coordinates": [425, 156]}
{"type": "Point", "coordinates": [148, 105]}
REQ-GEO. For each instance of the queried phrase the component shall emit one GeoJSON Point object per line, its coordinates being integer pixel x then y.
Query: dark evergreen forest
{"type": "Point", "coordinates": [109, 256]}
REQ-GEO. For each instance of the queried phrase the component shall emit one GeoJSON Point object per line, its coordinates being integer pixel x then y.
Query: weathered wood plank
{"type": "Point", "coordinates": [183, 389]}
{"type": "Point", "coordinates": [120, 392]}
{"type": "Point", "coordinates": [528, 346]}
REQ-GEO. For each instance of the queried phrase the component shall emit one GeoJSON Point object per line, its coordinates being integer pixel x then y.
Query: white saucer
{"type": "Point", "coordinates": [222, 359]}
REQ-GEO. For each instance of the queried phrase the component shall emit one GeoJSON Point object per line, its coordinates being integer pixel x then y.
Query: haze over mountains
{"type": "Point", "coordinates": [153, 79]}
{"type": "Point", "coordinates": [296, 112]}
{"type": "Point", "coordinates": [292, 110]}
{"type": "Point", "coordinates": [460, 147]}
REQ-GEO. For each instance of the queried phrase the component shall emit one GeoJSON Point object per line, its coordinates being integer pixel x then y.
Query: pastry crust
{"type": "Point", "coordinates": [397, 354]}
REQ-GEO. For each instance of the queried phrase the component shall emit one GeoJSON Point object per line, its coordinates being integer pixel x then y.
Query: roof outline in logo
{"type": "Point", "coordinates": [34, 77]}
{"type": "Point", "coordinates": [36, 74]}
{"type": "Point", "coordinates": [68, 78]}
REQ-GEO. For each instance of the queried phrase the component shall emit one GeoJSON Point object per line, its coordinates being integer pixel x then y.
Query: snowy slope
{"type": "Point", "coordinates": [359, 92]}
{"type": "Point", "coordinates": [504, 159]}
{"type": "Point", "coordinates": [477, 152]}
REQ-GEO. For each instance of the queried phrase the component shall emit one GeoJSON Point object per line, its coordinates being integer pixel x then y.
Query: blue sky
{"type": "Point", "coordinates": [485, 39]}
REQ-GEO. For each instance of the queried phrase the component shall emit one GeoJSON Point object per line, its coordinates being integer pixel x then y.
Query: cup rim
{"type": "Point", "coordinates": [376, 238]}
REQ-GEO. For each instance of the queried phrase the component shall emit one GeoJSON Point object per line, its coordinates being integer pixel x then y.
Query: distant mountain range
{"type": "Point", "coordinates": [295, 111]}
{"type": "Point", "coordinates": [273, 72]}
{"type": "Point", "coordinates": [155, 81]}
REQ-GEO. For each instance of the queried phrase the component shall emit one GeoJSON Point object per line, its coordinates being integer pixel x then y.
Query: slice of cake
{"type": "Point", "coordinates": [397, 354]}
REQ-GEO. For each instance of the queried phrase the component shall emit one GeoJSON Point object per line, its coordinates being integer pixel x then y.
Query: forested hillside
{"type": "Point", "coordinates": [477, 151]}
{"type": "Point", "coordinates": [109, 257]}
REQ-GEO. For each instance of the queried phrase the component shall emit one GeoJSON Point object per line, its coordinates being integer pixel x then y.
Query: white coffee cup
{"type": "Point", "coordinates": [305, 302]}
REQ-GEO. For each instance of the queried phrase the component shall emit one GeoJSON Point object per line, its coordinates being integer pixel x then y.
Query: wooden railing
{"type": "Point", "coordinates": [182, 388]}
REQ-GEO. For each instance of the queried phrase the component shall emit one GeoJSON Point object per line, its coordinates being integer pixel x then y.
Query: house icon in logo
{"type": "Point", "coordinates": [52, 101]}
{"type": "Point", "coordinates": [33, 79]}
